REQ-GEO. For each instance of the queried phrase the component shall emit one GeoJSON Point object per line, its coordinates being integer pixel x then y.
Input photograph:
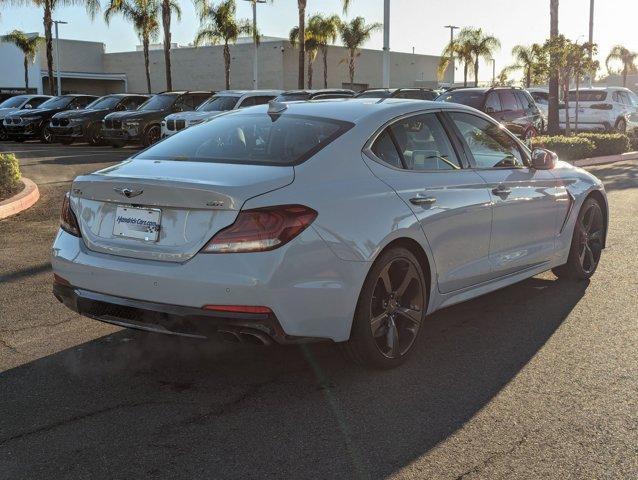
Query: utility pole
{"type": "Point", "coordinates": [57, 54]}
{"type": "Point", "coordinates": [386, 43]}
{"type": "Point", "coordinates": [591, 39]}
{"type": "Point", "coordinates": [452, 28]}
{"type": "Point", "coordinates": [493, 72]}
{"type": "Point", "coordinates": [256, 44]}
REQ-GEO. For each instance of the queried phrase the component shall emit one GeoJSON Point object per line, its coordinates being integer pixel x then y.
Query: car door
{"type": "Point", "coordinates": [526, 202]}
{"type": "Point", "coordinates": [416, 157]}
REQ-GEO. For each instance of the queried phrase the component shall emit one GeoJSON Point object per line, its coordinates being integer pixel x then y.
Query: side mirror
{"type": "Point", "coordinates": [543, 159]}
{"type": "Point", "coordinates": [28, 106]}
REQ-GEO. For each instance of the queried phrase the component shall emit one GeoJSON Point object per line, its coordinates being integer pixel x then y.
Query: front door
{"type": "Point", "coordinates": [526, 202]}
{"type": "Point", "coordinates": [416, 158]}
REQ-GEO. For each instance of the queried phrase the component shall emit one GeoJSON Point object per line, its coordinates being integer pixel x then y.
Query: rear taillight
{"type": "Point", "coordinates": [262, 229]}
{"type": "Point", "coordinates": [602, 106]}
{"type": "Point", "coordinates": [68, 221]}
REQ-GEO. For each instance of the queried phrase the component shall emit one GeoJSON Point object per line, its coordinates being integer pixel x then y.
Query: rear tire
{"type": "Point", "coordinates": [388, 319]}
{"type": "Point", "coordinates": [587, 244]}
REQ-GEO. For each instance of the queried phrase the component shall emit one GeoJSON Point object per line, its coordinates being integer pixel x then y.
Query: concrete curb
{"type": "Point", "coordinates": [588, 162]}
{"type": "Point", "coordinates": [21, 201]}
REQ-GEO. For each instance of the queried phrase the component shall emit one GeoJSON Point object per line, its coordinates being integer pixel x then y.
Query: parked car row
{"type": "Point", "coordinates": [121, 119]}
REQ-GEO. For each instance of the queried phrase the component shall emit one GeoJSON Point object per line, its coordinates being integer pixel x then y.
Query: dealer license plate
{"type": "Point", "coordinates": [138, 223]}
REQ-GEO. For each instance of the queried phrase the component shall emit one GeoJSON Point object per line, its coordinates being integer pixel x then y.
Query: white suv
{"type": "Point", "coordinates": [215, 105]}
{"type": "Point", "coordinates": [601, 109]}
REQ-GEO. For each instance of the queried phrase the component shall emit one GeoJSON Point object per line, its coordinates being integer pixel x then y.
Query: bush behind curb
{"type": "Point", "coordinates": [567, 148]}
{"type": "Point", "coordinates": [9, 174]}
{"type": "Point", "coordinates": [608, 143]}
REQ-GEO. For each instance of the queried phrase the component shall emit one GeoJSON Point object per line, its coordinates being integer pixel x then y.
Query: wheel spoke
{"type": "Point", "coordinates": [590, 257]}
{"type": "Point", "coordinates": [392, 338]}
{"type": "Point", "coordinates": [385, 278]}
{"type": "Point", "coordinates": [377, 322]}
{"type": "Point", "coordinates": [581, 256]}
{"type": "Point", "coordinates": [587, 219]}
{"type": "Point", "coordinates": [407, 280]}
{"type": "Point", "coordinates": [414, 316]}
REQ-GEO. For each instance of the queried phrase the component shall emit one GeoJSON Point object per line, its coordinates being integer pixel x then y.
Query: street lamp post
{"type": "Point", "coordinates": [452, 28]}
{"type": "Point", "coordinates": [386, 43]}
{"type": "Point", "coordinates": [256, 43]}
{"type": "Point", "coordinates": [591, 38]}
{"type": "Point", "coordinates": [57, 54]}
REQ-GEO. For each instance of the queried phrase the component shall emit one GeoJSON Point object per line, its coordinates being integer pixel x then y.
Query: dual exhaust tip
{"type": "Point", "coordinates": [251, 337]}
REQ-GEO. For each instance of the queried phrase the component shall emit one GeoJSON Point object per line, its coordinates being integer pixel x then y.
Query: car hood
{"type": "Point", "coordinates": [190, 116]}
{"type": "Point", "coordinates": [40, 112]}
{"type": "Point", "coordinates": [7, 111]}
{"type": "Point", "coordinates": [74, 114]}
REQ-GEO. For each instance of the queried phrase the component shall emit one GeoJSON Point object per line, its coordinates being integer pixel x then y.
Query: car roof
{"type": "Point", "coordinates": [356, 109]}
{"type": "Point", "coordinates": [238, 93]}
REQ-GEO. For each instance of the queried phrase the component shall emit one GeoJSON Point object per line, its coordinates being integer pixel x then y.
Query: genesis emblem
{"type": "Point", "coordinates": [128, 193]}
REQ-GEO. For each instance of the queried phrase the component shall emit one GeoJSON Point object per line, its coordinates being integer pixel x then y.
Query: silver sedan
{"type": "Point", "coordinates": [344, 221]}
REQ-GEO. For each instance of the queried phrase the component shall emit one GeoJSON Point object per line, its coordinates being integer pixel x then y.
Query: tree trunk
{"type": "Point", "coordinates": [48, 37]}
{"type": "Point", "coordinates": [325, 66]}
{"type": "Point", "coordinates": [166, 23]}
{"type": "Point", "coordinates": [302, 41]}
{"type": "Point", "coordinates": [465, 69]}
{"type": "Point", "coordinates": [476, 69]}
{"type": "Point", "coordinates": [227, 65]}
{"type": "Point", "coordinates": [553, 126]}
{"type": "Point", "coordinates": [528, 78]}
{"type": "Point", "coordinates": [309, 73]}
{"type": "Point", "coordinates": [26, 74]}
{"type": "Point", "coordinates": [351, 68]}
{"type": "Point", "coordinates": [145, 43]}
{"type": "Point", "coordinates": [577, 103]}
{"type": "Point", "coordinates": [625, 72]}
{"type": "Point", "coordinates": [568, 128]}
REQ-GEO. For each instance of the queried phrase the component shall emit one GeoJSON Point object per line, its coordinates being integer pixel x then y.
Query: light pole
{"type": "Point", "coordinates": [493, 72]}
{"type": "Point", "coordinates": [591, 38]}
{"type": "Point", "coordinates": [452, 28]}
{"type": "Point", "coordinates": [57, 54]}
{"type": "Point", "coordinates": [386, 43]}
{"type": "Point", "coordinates": [256, 42]}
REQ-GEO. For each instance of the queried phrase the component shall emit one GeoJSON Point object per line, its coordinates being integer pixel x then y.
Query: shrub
{"type": "Point", "coordinates": [9, 174]}
{"type": "Point", "coordinates": [608, 143]}
{"type": "Point", "coordinates": [567, 148]}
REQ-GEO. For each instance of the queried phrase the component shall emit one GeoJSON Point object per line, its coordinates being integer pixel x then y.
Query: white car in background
{"type": "Point", "coordinates": [541, 98]}
{"type": "Point", "coordinates": [600, 109]}
{"type": "Point", "coordinates": [220, 102]}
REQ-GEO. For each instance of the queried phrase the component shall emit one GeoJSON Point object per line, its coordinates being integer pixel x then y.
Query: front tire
{"type": "Point", "coordinates": [94, 135]}
{"type": "Point", "coordinates": [390, 311]}
{"type": "Point", "coordinates": [587, 244]}
{"type": "Point", "coordinates": [46, 135]}
{"type": "Point", "coordinates": [621, 126]}
{"type": "Point", "coordinates": [152, 135]}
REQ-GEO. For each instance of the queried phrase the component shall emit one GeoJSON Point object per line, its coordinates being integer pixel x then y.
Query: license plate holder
{"type": "Point", "coordinates": [137, 223]}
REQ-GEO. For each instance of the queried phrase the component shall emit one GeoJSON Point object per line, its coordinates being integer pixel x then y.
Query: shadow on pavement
{"type": "Point", "coordinates": [134, 405]}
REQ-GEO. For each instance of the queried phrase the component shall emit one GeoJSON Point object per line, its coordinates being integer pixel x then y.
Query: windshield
{"type": "Point", "coordinates": [218, 104]}
{"type": "Point", "coordinates": [13, 102]}
{"type": "Point", "coordinates": [103, 103]}
{"type": "Point", "coordinates": [258, 139]}
{"type": "Point", "coordinates": [158, 102]}
{"type": "Point", "coordinates": [471, 99]}
{"type": "Point", "coordinates": [57, 102]}
{"type": "Point", "coordinates": [588, 96]}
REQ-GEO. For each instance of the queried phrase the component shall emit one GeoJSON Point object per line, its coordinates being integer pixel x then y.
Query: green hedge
{"type": "Point", "coordinates": [567, 148]}
{"type": "Point", "coordinates": [9, 175]}
{"type": "Point", "coordinates": [608, 143]}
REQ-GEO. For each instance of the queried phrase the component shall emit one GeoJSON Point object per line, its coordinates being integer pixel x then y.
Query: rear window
{"type": "Point", "coordinates": [258, 139]}
{"type": "Point", "coordinates": [588, 96]}
{"type": "Point", "coordinates": [471, 99]}
{"type": "Point", "coordinates": [292, 97]}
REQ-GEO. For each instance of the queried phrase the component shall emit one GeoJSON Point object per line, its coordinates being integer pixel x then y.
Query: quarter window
{"type": "Point", "coordinates": [490, 145]}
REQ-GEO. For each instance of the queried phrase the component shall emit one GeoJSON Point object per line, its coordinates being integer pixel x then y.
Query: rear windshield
{"type": "Point", "coordinates": [13, 102]}
{"type": "Point", "coordinates": [471, 99]}
{"type": "Point", "coordinates": [158, 102]}
{"type": "Point", "coordinates": [588, 96]}
{"type": "Point", "coordinates": [258, 139]}
{"type": "Point", "coordinates": [292, 97]}
{"type": "Point", "coordinates": [218, 104]}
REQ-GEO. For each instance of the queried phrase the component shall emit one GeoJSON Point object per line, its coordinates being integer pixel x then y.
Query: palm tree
{"type": "Point", "coordinates": [325, 31]}
{"type": "Point", "coordinates": [301, 7]}
{"type": "Point", "coordinates": [624, 56]}
{"type": "Point", "coordinates": [143, 14]}
{"type": "Point", "coordinates": [353, 35]}
{"type": "Point", "coordinates": [531, 60]}
{"type": "Point", "coordinates": [29, 47]}
{"type": "Point", "coordinates": [218, 23]}
{"type": "Point", "coordinates": [553, 125]}
{"type": "Point", "coordinates": [168, 8]}
{"type": "Point", "coordinates": [313, 42]}
{"type": "Point", "coordinates": [456, 51]}
{"type": "Point", "coordinates": [49, 6]}
{"type": "Point", "coordinates": [480, 45]}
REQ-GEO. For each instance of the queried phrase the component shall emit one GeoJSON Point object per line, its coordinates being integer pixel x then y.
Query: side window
{"type": "Point", "coordinates": [132, 103]}
{"type": "Point", "coordinates": [624, 97]}
{"type": "Point", "coordinates": [424, 144]}
{"type": "Point", "coordinates": [490, 145]}
{"type": "Point", "coordinates": [199, 98]}
{"type": "Point", "coordinates": [616, 97]}
{"type": "Point", "coordinates": [492, 103]}
{"type": "Point", "coordinates": [525, 101]}
{"type": "Point", "coordinates": [247, 102]}
{"type": "Point", "coordinates": [508, 101]}
{"type": "Point", "coordinates": [36, 101]}
{"type": "Point", "coordinates": [386, 151]}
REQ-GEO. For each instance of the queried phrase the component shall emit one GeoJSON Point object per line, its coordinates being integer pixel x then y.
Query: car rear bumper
{"type": "Point", "coordinates": [312, 292]}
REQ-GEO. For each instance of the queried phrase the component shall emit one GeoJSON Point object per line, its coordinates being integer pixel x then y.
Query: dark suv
{"type": "Point", "coordinates": [34, 123]}
{"type": "Point", "coordinates": [86, 124]}
{"type": "Point", "coordinates": [323, 94]}
{"type": "Point", "coordinates": [409, 93]}
{"type": "Point", "coordinates": [144, 124]}
{"type": "Point", "coordinates": [513, 107]}
{"type": "Point", "coordinates": [18, 102]}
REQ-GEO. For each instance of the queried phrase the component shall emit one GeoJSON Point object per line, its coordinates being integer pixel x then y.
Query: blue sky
{"type": "Point", "coordinates": [415, 23]}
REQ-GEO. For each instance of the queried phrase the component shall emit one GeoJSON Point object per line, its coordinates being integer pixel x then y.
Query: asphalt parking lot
{"type": "Point", "coordinates": [538, 380]}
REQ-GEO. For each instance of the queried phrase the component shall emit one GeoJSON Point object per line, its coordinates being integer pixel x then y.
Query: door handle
{"type": "Point", "coordinates": [501, 190]}
{"type": "Point", "coordinates": [423, 200]}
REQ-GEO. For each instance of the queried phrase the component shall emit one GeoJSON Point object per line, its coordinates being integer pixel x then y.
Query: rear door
{"type": "Point", "coordinates": [526, 202]}
{"type": "Point", "coordinates": [511, 112]}
{"type": "Point", "coordinates": [416, 157]}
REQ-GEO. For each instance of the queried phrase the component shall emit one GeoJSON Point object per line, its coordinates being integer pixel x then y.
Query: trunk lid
{"type": "Point", "coordinates": [194, 199]}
